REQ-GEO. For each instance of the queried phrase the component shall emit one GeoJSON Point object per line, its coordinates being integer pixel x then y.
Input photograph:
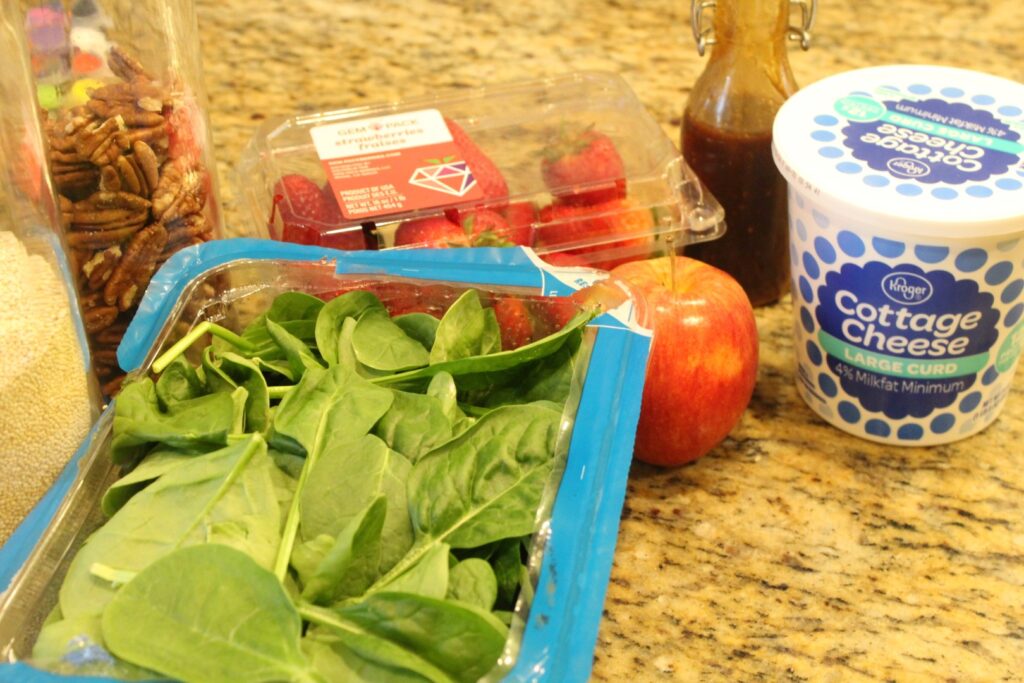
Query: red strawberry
{"type": "Point", "coordinates": [515, 321]}
{"type": "Point", "coordinates": [303, 210]}
{"type": "Point", "coordinates": [605, 234]}
{"type": "Point", "coordinates": [520, 217]}
{"type": "Point", "coordinates": [584, 169]}
{"type": "Point", "coordinates": [349, 238]}
{"type": "Point", "coordinates": [433, 231]}
{"type": "Point", "coordinates": [486, 228]}
{"type": "Point", "coordinates": [488, 176]}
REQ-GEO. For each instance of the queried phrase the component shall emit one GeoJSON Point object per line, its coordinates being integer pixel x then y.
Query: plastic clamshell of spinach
{"type": "Point", "coordinates": [332, 494]}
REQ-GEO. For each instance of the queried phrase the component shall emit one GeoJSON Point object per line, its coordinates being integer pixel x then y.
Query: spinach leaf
{"type": "Point", "coordinates": [296, 312]}
{"type": "Point", "coordinates": [139, 423]}
{"type": "Point", "coordinates": [155, 465]}
{"type": "Point", "coordinates": [350, 566]}
{"type": "Point", "coordinates": [428, 576]}
{"type": "Point", "coordinates": [508, 571]}
{"type": "Point", "coordinates": [473, 581]}
{"type": "Point", "coordinates": [466, 330]}
{"type": "Point", "coordinates": [178, 382]}
{"type": "Point", "coordinates": [359, 656]}
{"type": "Point", "coordinates": [420, 326]}
{"type": "Point", "coordinates": [486, 484]}
{"type": "Point", "coordinates": [380, 344]}
{"type": "Point", "coordinates": [216, 616]}
{"type": "Point", "coordinates": [483, 485]}
{"type": "Point", "coordinates": [348, 476]}
{"type": "Point", "coordinates": [487, 371]}
{"type": "Point", "coordinates": [298, 355]}
{"type": "Point", "coordinates": [246, 374]}
{"type": "Point", "coordinates": [226, 495]}
{"type": "Point", "coordinates": [442, 387]}
{"type": "Point", "coordinates": [331, 318]}
{"type": "Point", "coordinates": [333, 405]}
{"type": "Point", "coordinates": [414, 424]}
{"type": "Point", "coordinates": [547, 379]}
{"type": "Point", "coordinates": [461, 640]}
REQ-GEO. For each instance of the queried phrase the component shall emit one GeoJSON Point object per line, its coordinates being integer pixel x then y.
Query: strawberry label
{"type": "Point", "coordinates": [393, 164]}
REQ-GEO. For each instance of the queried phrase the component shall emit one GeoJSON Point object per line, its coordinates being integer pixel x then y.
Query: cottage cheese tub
{"type": "Point", "coordinates": [907, 245]}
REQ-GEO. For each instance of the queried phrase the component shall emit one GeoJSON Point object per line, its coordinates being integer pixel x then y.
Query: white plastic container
{"type": "Point", "coordinates": [907, 245]}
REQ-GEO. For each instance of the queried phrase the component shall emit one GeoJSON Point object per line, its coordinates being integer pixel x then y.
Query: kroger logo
{"type": "Point", "coordinates": [906, 288]}
{"type": "Point", "coordinates": [908, 168]}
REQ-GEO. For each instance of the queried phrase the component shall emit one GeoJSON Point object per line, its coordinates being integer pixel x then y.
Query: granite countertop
{"type": "Point", "coordinates": [792, 551]}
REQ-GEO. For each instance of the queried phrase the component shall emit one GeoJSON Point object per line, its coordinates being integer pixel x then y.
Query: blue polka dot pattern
{"type": "Point", "coordinates": [1012, 291]}
{"type": "Point", "coordinates": [943, 423]}
{"type": "Point", "coordinates": [979, 191]}
{"type": "Point", "coordinates": [970, 402]}
{"type": "Point", "coordinates": [997, 274]}
{"type": "Point", "coordinates": [971, 260]}
{"type": "Point", "coordinates": [876, 180]}
{"type": "Point", "coordinates": [1009, 184]}
{"type": "Point", "coordinates": [945, 193]}
{"type": "Point", "coordinates": [799, 200]}
{"type": "Point", "coordinates": [990, 376]}
{"type": "Point", "coordinates": [930, 254]}
{"type": "Point", "coordinates": [908, 190]}
{"type": "Point", "coordinates": [983, 99]}
{"type": "Point", "coordinates": [811, 266]}
{"type": "Point", "coordinates": [1010, 110]}
{"type": "Point", "coordinates": [850, 243]}
{"type": "Point", "coordinates": [919, 89]}
{"type": "Point", "coordinates": [801, 230]}
{"type": "Point", "coordinates": [877, 428]}
{"type": "Point", "coordinates": [849, 412]}
{"type": "Point", "coordinates": [888, 248]}
{"type": "Point", "coordinates": [848, 167]}
{"type": "Point", "coordinates": [952, 92]}
{"type": "Point", "coordinates": [823, 135]}
{"type": "Point", "coordinates": [820, 218]}
{"type": "Point", "coordinates": [910, 432]}
{"type": "Point", "coordinates": [827, 385]}
{"type": "Point", "coordinates": [814, 353]}
{"type": "Point", "coordinates": [826, 252]}
{"type": "Point", "coordinates": [806, 320]}
{"type": "Point", "coordinates": [830, 152]}
{"type": "Point", "coordinates": [826, 120]}
{"type": "Point", "coordinates": [1013, 315]}
{"type": "Point", "coordinates": [805, 290]}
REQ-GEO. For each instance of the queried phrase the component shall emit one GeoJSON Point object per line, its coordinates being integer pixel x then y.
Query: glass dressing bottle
{"type": "Point", "coordinates": [727, 135]}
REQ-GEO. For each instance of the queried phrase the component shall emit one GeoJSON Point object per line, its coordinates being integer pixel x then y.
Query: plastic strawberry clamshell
{"type": "Point", "coordinates": [574, 167]}
{"type": "Point", "coordinates": [554, 624]}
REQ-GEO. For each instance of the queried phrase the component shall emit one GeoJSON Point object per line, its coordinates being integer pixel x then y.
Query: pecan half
{"type": "Point", "coordinates": [132, 274]}
{"type": "Point", "coordinates": [125, 66]}
{"type": "Point", "coordinates": [147, 162]}
{"type": "Point", "coordinates": [101, 239]}
{"type": "Point", "coordinates": [179, 192]}
{"type": "Point", "coordinates": [98, 319]}
{"type": "Point", "coordinates": [101, 266]}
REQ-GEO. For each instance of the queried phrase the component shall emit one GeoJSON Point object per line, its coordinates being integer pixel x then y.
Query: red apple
{"type": "Point", "coordinates": [703, 362]}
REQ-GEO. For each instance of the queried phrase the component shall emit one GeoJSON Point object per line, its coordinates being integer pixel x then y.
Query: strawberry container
{"type": "Point", "coordinates": [120, 83]}
{"type": "Point", "coordinates": [563, 554]}
{"type": "Point", "coordinates": [574, 167]}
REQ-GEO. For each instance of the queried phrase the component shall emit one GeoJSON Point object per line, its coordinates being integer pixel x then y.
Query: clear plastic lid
{"type": "Point", "coordinates": [573, 165]}
{"type": "Point", "coordinates": [925, 150]}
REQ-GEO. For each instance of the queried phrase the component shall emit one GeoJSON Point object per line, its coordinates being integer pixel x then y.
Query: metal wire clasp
{"type": "Point", "coordinates": [703, 31]}
{"type": "Point", "coordinates": [702, 34]}
{"type": "Point", "coordinates": [802, 32]}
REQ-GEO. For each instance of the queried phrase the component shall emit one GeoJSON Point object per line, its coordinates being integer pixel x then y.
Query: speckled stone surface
{"type": "Point", "coordinates": [792, 551]}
